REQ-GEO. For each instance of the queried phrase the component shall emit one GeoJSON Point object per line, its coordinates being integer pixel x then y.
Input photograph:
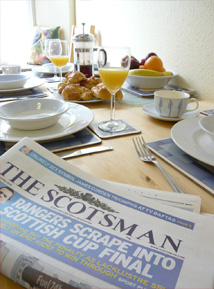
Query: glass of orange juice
{"type": "Point", "coordinates": [113, 73]}
{"type": "Point", "coordinates": [59, 53]}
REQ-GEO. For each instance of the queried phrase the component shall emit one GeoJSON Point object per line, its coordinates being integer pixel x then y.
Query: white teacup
{"type": "Point", "coordinates": [11, 69]}
{"type": "Point", "coordinates": [173, 104]}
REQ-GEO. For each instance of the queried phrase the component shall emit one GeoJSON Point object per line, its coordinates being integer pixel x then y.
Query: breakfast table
{"type": "Point", "coordinates": [123, 165]}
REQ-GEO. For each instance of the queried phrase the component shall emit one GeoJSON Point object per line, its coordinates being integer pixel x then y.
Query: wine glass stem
{"type": "Point", "coordinates": [112, 112]}
{"type": "Point", "coordinates": [60, 70]}
{"type": "Point", "coordinates": [55, 71]}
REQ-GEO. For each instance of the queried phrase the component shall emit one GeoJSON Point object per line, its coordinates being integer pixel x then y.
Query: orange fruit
{"type": "Point", "coordinates": [154, 63]}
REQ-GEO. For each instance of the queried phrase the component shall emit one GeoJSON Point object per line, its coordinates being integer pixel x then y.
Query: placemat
{"type": "Point", "coordinates": [207, 112]}
{"type": "Point", "coordinates": [103, 134]}
{"type": "Point", "coordinates": [134, 96]}
{"type": "Point", "coordinates": [199, 172]}
{"type": "Point", "coordinates": [82, 138]}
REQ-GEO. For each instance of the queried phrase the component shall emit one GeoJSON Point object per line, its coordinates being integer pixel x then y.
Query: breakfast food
{"type": "Point", "coordinates": [77, 87]}
{"type": "Point", "coordinates": [134, 62]}
{"type": "Point", "coordinates": [90, 82]}
{"type": "Point", "coordinates": [101, 92]}
{"type": "Point", "coordinates": [142, 61]}
{"type": "Point", "coordinates": [151, 65]}
{"type": "Point", "coordinates": [147, 72]}
{"type": "Point", "coordinates": [74, 77]}
{"type": "Point", "coordinates": [76, 92]}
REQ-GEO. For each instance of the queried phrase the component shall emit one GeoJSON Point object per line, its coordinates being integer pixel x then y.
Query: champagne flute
{"type": "Point", "coordinates": [55, 77]}
{"type": "Point", "coordinates": [59, 53]}
{"type": "Point", "coordinates": [113, 74]}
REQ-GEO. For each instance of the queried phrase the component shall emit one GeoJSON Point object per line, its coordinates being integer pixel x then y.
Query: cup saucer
{"type": "Point", "coordinates": [151, 111]}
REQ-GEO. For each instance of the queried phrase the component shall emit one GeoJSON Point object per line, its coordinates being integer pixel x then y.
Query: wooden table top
{"type": "Point", "coordinates": [123, 165]}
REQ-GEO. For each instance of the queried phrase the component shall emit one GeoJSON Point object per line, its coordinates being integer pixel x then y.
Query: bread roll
{"type": "Point", "coordinates": [68, 93]}
{"type": "Point", "coordinates": [101, 92]}
{"type": "Point", "coordinates": [61, 86]}
{"type": "Point", "coordinates": [74, 77]}
{"type": "Point", "coordinates": [90, 82]}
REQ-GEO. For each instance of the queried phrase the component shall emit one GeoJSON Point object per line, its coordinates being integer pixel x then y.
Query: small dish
{"type": "Point", "coordinates": [49, 68]}
{"type": "Point", "coordinates": [33, 114]}
{"type": "Point", "coordinates": [11, 81]}
{"type": "Point", "coordinates": [32, 82]}
{"type": "Point", "coordinates": [75, 119]}
{"type": "Point", "coordinates": [149, 82]}
{"type": "Point", "coordinates": [151, 111]}
{"type": "Point", "coordinates": [207, 124]}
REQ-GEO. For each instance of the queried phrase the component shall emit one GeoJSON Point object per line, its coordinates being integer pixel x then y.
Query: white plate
{"type": "Point", "coordinates": [189, 137]}
{"type": "Point", "coordinates": [59, 96]}
{"type": "Point", "coordinates": [75, 119]}
{"type": "Point", "coordinates": [207, 124]}
{"type": "Point", "coordinates": [49, 68]}
{"type": "Point", "coordinates": [150, 110]}
{"type": "Point", "coordinates": [30, 83]}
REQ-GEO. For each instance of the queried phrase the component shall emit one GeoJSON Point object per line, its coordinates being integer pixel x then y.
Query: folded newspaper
{"type": "Point", "coordinates": [63, 228]}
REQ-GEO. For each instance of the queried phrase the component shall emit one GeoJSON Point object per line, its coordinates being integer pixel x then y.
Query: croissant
{"type": "Point", "coordinates": [90, 82]}
{"type": "Point", "coordinates": [101, 92]}
{"type": "Point", "coordinates": [74, 77]}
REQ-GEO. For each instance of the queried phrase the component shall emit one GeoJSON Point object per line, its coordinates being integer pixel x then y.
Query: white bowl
{"type": "Point", "coordinates": [149, 82]}
{"type": "Point", "coordinates": [10, 81]}
{"type": "Point", "coordinates": [33, 114]}
{"type": "Point", "coordinates": [207, 124]}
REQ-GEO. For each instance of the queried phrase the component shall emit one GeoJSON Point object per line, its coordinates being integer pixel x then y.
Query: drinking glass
{"type": "Point", "coordinates": [59, 53]}
{"type": "Point", "coordinates": [55, 77]}
{"type": "Point", "coordinates": [113, 73]}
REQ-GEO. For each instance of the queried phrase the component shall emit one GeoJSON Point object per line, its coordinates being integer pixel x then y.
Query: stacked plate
{"type": "Point", "coordinates": [10, 83]}
{"type": "Point", "coordinates": [195, 136]}
{"type": "Point", "coordinates": [42, 119]}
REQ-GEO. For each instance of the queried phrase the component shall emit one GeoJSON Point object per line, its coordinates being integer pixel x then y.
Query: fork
{"type": "Point", "coordinates": [145, 155]}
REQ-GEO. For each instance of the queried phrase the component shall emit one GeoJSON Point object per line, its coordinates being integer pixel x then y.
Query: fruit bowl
{"type": "Point", "coordinates": [149, 82]}
{"type": "Point", "coordinates": [32, 114]}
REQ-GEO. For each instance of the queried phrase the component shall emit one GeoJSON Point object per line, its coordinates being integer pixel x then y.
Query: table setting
{"type": "Point", "coordinates": [160, 149]}
{"type": "Point", "coordinates": [140, 81]}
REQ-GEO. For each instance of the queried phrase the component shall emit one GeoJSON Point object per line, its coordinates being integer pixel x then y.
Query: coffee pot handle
{"type": "Point", "coordinates": [105, 56]}
{"type": "Point", "coordinates": [104, 53]}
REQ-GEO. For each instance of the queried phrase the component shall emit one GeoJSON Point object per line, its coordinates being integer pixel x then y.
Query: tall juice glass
{"type": "Point", "coordinates": [55, 77]}
{"type": "Point", "coordinates": [59, 53]}
{"type": "Point", "coordinates": [113, 74]}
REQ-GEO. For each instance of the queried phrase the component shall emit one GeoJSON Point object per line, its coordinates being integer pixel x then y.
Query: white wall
{"type": "Point", "coordinates": [181, 32]}
{"type": "Point", "coordinates": [56, 13]}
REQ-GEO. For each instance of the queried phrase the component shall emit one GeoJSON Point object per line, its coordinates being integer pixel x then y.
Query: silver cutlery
{"type": "Point", "coordinates": [145, 155]}
{"type": "Point", "coordinates": [85, 151]}
{"type": "Point", "coordinates": [39, 95]}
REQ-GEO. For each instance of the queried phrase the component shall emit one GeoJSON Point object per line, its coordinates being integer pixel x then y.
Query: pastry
{"type": "Point", "coordinates": [88, 95]}
{"type": "Point", "coordinates": [74, 77]}
{"type": "Point", "coordinates": [61, 86]}
{"type": "Point", "coordinates": [76, 92]}
{"type": "Point", "coordinates": [101, 92]}
{"type": "Point", "coordinates": [90, 82]}
{"type": "Point", "coordinates": [69, 94]}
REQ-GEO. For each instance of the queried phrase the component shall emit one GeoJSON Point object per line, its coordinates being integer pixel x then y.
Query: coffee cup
{"type": "Point", "coordinates": [11, 69]}
{"type": "Point", "coordinates": [173, 104]}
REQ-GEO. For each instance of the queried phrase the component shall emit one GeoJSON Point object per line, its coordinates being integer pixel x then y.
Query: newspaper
{"type": "Point", "coordinates": [63, 228]}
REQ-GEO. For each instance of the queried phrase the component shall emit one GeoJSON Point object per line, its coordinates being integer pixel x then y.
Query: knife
{"type": "Point", "coordinates": [84, 152]}
{"type": "Point", "coordinates": [39, 95]}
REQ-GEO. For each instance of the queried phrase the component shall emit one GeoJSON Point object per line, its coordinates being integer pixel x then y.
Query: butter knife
{"type": "Point", "coordinates": [84, 152]}
{"type": "Point", "coordinates": [39, 95]}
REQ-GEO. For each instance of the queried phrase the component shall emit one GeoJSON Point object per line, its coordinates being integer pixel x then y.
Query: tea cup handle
{"type": "Point", "coordinates": [196, 104]}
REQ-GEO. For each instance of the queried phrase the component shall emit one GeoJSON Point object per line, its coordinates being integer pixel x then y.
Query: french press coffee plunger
{"type": "Point", "coordinates": [84, 53]}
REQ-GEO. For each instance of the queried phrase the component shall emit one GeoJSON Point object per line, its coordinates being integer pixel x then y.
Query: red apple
{"type": "Point", "coordinates": [142, 61]}
{"type": "Point", "coordinates": [134, 63]}
{"type": "Point", "coordinates": [150, 54]}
